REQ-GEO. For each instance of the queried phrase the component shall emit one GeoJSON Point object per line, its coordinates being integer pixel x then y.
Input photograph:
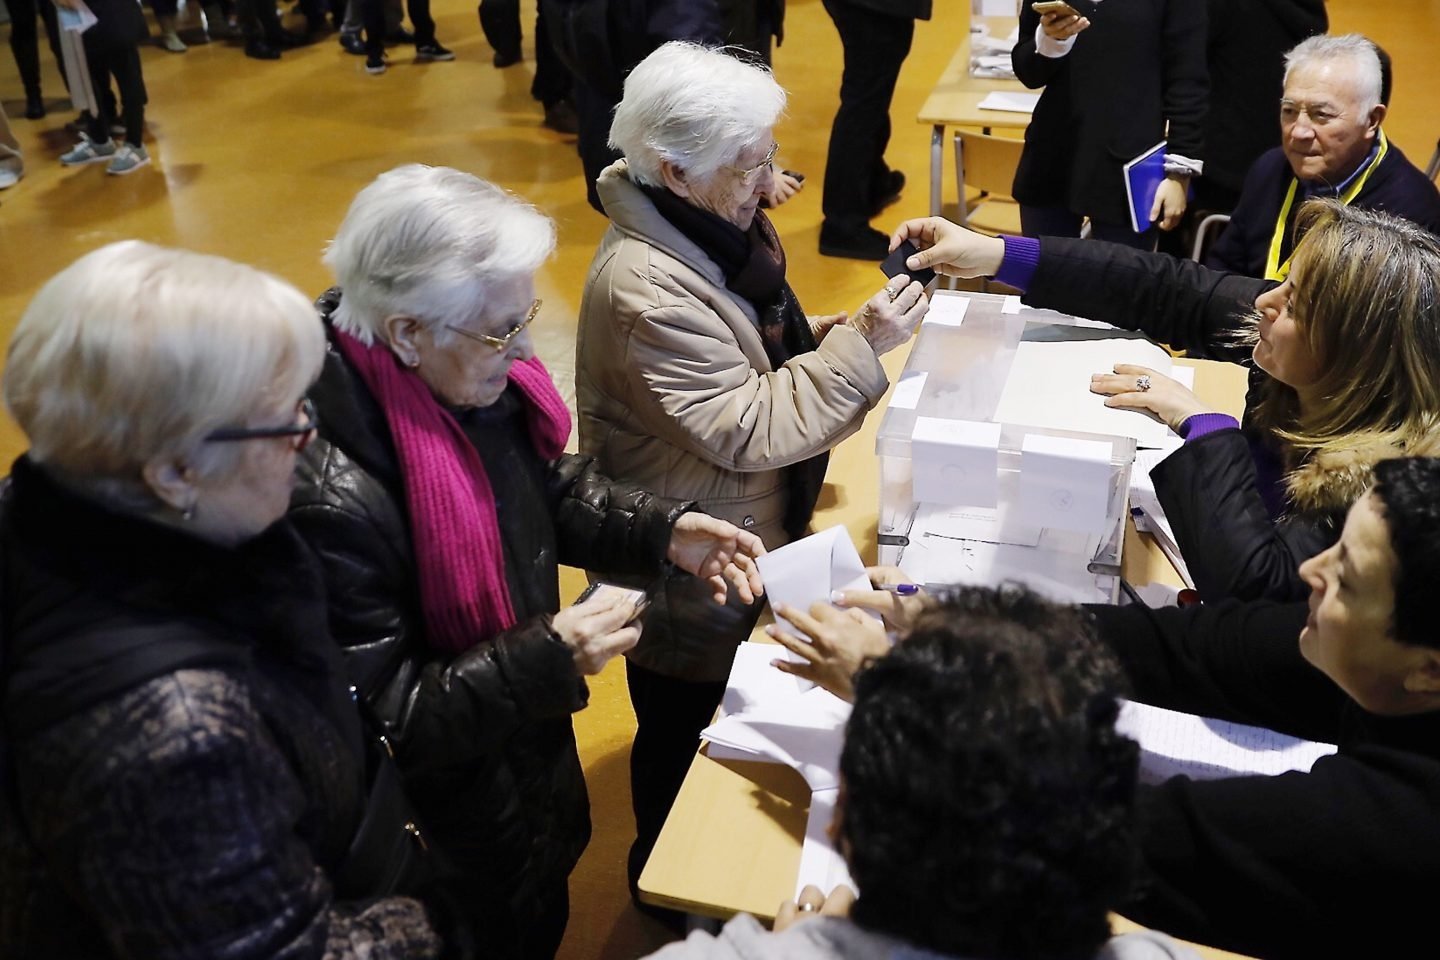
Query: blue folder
{"type": "Point", "coordinates": [1143, 176]}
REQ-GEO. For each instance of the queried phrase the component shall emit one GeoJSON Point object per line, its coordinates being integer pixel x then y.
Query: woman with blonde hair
{"type": "Point", "coordinates": [1345, 372]}
{"type": "Point", "coordinates": [183, 771]}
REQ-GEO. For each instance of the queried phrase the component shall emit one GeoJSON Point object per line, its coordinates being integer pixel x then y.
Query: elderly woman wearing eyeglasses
{"type": "Point", "coordinates": [441, 500]}
{"type": "Point", "coordinates": [183, 771]}
{"type": "Point", "coordinates": [700, 376]}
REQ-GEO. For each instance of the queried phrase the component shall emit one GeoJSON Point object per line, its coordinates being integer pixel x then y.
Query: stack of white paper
{"type": "Point", "coordinates": [1151, 518]}
{"type": "Point", "coordinates": [766, 716]}
{"type": "Point", "coordinates": [1009, 102]}
{"type": "Point", "coordinates": [1182, 744]}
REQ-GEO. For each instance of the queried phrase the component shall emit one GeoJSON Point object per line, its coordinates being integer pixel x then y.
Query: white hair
{"type": "Point", "coordinates": [1367, 78]}
{"type": "Point", "coordinates": [135, 352]}
{"type": "Point", "coordinates": [427, 242]}
{"type": "Point", "coordinates": [698, 108]}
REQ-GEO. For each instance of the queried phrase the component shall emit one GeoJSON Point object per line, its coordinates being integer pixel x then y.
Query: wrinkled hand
{"type": "Point", "coordinates": [720, 552]}
{"type": "Point", "coordinates": [816, 904]}
{"type": "Point", "coordinates": [1167, 400]}
{"type": "Point", "coordinates": [1062, 26]}
{"type": "Point", "coordinates": [820, 326]}
{"type": "Point", "coordinates": [889, 318]}
{"type": "Point", "coordinates": [898, 612]}
{"type": "Point", "coordinates": [949, 249]}
{"type": "Point", "coordinates": [1169, 205]}
{"type": "Point", "coordinates": [597, 629]}
{"type": "Point", "coordinates": [840, 641]}
{"type": "Point", "coordinates": [783, 186]}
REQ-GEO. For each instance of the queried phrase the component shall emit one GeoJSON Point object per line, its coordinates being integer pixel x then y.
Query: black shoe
{"type": "Point", "coordinates": [862, 243]}
{"type": "Point", "coordinates": [886, 191]}
{"type": "Point", "coordinates": [351, 43]}
{"type": "Point", "coordinates": [260, 50]}
{"type": "Point", "coordinates": [560, 116]}
{"type": "Point", "coordinates": [399, 35]}
{"type": "Point", "coordinates": [34, 106]}
{"type": "Point", "coordinates": [432, 53]}
{"type": "Point", "coordinates": [505, 58]}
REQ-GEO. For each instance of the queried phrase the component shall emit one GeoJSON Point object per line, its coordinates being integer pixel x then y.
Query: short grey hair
{"type": "Point", "coordinates": [1366, 76]}
{"type": "Point", "coordinates": [136, 352]}
{"type": "Point", "coordinates": [696, 107]}
{"type": "Point", "coordinates": [428, 242]}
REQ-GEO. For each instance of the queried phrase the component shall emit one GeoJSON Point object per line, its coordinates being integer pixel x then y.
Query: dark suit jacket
{"type": "Point", "coordinates": [1141, 63]}
{"type": "Point", "coordinates": [1396, 187]}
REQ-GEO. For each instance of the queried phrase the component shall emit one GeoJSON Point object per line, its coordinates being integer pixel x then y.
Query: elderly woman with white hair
{"type": "Point", "coordinates": [184, 772]}
{"type": "Point", "coordinates": [441, 500]}
{"type": "Point", "coordinates": [698, 374]}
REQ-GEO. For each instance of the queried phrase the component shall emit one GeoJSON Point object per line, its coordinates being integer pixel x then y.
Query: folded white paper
{"type": "Point", "coordinates": [947, 309]}
{"type": "Point", "coordinates": [820, 863]}
{"type": "Point", "coordinates": [1175, 744]}
{"type": "Point", "coordinates": [1009, 102]}
{"type": "Point", "coordinates": [906, 395]}
{"type": "Point", "coordinates": [808, 570]}
{"type": "Point", "coordinates": [955, 461]}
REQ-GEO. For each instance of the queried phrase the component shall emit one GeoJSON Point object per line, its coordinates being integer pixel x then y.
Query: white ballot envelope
{"type": "Point", "coordinates": [1065, 482]}
{"type": "Point", "coordinates": [807, 571]}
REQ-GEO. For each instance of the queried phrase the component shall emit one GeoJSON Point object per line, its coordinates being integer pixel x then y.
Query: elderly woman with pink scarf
{"type": "Point", "coordinates": [440, 501]}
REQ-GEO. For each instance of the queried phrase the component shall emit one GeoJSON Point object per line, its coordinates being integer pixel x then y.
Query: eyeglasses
{"type": "Point", "coordinates": [1320, 114]}
{"type": "Point", "coordinates": [750, 174]}
{"type": "Point", "coordinates": [300, 433]}
{"type": "Point", "coordinates": [500, 344]}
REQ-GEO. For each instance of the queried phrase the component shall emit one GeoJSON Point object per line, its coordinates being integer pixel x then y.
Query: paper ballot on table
{"type": "Point", "coordinates": [1009, 102]}
{"type": "Point", "coordinates": [807, 571]}
{"type": "Point", "coordinates": [1064, 482]}
{"type": "Point", "coordinates": [1049, 386]}
{"type": "Point", "coordinates": [1203, 748]}
{"type": "Point", "coordinates": [820, 863]}
{"type": "Point", "coordinates": [955, 461]}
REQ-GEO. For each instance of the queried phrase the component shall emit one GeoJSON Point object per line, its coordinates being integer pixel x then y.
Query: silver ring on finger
{"type": "Point", "coordinates": [895, 293]}
{"type": "Point", "coordinates": [1142, 383]}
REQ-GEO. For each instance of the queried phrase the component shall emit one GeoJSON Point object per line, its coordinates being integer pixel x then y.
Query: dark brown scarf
{"type": "Point", "coordinates": [753, 262]}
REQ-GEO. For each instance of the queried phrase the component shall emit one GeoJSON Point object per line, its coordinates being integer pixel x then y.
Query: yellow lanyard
{"type": "Point", "coordinates": [1274, 269]}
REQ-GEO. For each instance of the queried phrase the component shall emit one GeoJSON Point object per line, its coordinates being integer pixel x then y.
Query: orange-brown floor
{"type": "Point", "coordinates": [257, 161]}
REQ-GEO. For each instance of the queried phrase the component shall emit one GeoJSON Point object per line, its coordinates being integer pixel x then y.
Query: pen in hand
{"type": "Point", "coordinates": [901, 589]}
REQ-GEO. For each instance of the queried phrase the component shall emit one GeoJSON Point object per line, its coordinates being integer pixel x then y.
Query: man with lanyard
{"type": "Point", "coordinates": [1331, 146]}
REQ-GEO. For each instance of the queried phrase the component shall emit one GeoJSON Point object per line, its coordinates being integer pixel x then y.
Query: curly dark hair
{"type": "Point", "coordinates": [988, 798]}
{"type": "Point", "coordinates": [1409, 489]}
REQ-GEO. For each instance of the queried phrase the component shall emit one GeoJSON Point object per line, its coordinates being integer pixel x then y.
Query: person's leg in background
{"type": "Point", "coordinates": [427, 48]}
{"type": "Point", "coordinates": [669, 714]}
{"type": "Point", "coordinates": [500, 21]}
{"type": "Point", "coordinates": [372, 15]}
{"type": "Point", "coordinates": [858, 183]}
{"type": "Point", "coordinates": [352, 24]}
{"type": "Point", "coordinates": [165, 11]}
{"type": "Point", "coordinates": [552, 84]}
{"type": "Point", "coordinates": [594, 111]}
{"type": "Point", "coordinates": [1123, 234]}
{"type": "Point", "coordinates": [12, 164]}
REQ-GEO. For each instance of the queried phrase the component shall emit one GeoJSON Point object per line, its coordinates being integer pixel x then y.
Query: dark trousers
{"type": "Point", "coordinates": [594, 111]}
{"type": "Point", "coordinates": [1060, 222]}
{"type": "Point", "coordinates": [165, 8]}
{"type": "Point", "coordinates": [500, 20]}
{"type": "Point", "coordinates": [111, 50]}
{"type": "Point", "coordinates": [259, 20]}
{"type": "Point", "coordinates": [670, 714]}
{"type": "Point", "coordinates": [372, 14]}
{"type": "Point", "coordinates": [25, 40]}
{"type": "Point", "coordinates": [876, 45]}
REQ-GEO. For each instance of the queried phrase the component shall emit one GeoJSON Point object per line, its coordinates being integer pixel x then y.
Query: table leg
{"type": "Point", "coordinates": [937, 166]}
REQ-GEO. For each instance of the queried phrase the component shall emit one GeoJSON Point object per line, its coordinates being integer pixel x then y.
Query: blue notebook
{"type": "Point", "coordinates": [1143, 176]}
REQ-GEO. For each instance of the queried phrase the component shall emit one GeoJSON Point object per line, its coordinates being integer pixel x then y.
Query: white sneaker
{"type": "Point", "coordinates": [88, 151]}
{"type": "Point", "coordinates": [8, 177]}
{"type": "Point", "coordinates": [127, 159]}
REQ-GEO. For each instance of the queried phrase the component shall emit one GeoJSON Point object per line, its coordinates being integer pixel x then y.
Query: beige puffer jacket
{"type": "Point", "coordinates": [676, 394]}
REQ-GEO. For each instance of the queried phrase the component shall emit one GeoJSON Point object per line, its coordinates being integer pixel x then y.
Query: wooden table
{"type": "Point", "coordinates": [732, 841]}
{"type": "Point", "coordinates": [955, 102]}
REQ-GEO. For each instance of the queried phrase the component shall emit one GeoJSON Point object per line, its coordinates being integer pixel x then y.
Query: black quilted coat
{"type": "Point", "coordinates": [483, 738]}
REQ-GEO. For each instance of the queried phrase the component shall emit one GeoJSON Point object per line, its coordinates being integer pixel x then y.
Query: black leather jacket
{"type": "Point", "coordinates": [484, 738]}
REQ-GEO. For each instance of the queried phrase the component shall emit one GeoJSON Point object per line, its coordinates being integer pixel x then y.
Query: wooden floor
{"type": "Point", "coordinates": [257, 161]}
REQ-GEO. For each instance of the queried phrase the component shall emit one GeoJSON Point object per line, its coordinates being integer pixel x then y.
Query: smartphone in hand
{"type": "Point", "coordinates": [894, 265]}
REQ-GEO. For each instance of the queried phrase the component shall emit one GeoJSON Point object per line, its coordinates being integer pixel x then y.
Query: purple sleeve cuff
{"type": "Point", "coordinates": [1198, 425]}
{"type": "Point", "coordinates": [1022, 256]}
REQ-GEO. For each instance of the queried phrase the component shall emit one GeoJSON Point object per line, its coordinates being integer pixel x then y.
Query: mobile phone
{"type": "Point", "coordinates": [1054, 6]}
{"type": "Point", "coordinates": [602, 589]}
{"type": "Point", "coordinates": [894, 265]}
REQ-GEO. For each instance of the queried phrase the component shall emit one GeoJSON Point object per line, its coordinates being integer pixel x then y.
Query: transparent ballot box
{"type": "Point", "coordinates": [966, 498]}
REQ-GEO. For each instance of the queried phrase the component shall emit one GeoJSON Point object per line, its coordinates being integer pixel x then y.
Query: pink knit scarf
{"type": "Point", "coordinates": [459, 559]}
